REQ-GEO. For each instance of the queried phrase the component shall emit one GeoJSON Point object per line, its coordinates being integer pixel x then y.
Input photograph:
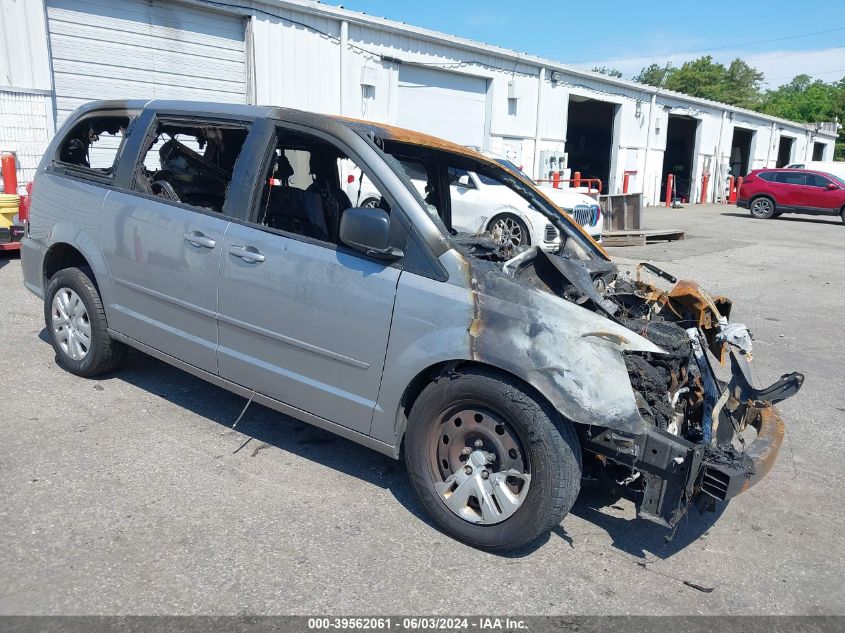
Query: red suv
{"type": "Point", "coordinates": [769, 192]}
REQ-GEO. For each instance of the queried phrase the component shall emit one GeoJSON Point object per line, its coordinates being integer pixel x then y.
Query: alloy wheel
{"type": "Point", "coordinates": [70, 323]}
{"type": "Point", "coordinates": [761, 207]}
{"type": "Point", "coordinates": [511, 230]}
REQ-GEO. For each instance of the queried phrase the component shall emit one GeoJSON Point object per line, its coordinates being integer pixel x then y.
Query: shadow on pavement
{"type": "Point", "coordinates": [264, 427]}
{"type": "Point", "coordinates": [833, 219]}
{"type": "Point", "coordinates": [639, 537]}
{"type": "Point", "coordinates": [8, 256]}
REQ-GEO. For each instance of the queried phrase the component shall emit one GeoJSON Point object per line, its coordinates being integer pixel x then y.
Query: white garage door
{"type": "Point", "coordinates": [143, 49]}
{"type": "Point", "coordinates": [443, 103]}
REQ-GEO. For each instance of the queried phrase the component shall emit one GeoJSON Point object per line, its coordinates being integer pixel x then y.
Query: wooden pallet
{"type": "Point", "coordinates": [641, 238]}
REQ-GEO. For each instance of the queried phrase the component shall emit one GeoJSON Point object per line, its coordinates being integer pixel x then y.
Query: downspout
{"type": "Point", "coordinates": [541, 79]}
{"type": "Point", "coordinates": [718, 183]}
{"type": "Point", "coordinates": [344, 64]}
{"type": "Point", "coordinates": [646, 176]}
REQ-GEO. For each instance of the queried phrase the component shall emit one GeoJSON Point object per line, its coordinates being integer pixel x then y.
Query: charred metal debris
{"type": "Point", "coordinates": [692, 446]}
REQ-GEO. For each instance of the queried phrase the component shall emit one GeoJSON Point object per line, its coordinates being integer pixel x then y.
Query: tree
{"type": "Point", "coordinates": [736, 84]}
{"type": "Point", "coordinates": [803, 99]}
{"type": "Point", "coordinates": [653, 74]}
{"type": "Point", "coordinates": [606, 70]}
{"type": "Point", "coordinates": [808, 101]}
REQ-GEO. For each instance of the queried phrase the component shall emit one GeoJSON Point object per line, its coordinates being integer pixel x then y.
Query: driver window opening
{"type": "Point", "coordinates": [309, 183]}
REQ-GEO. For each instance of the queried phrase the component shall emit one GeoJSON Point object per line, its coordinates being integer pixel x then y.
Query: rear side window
{"type": "Point", "coordinates": [791, 177]}
{"type": "Point", "coordinates": [767, 175]}
{"type": "Point", "coordinates": [190, 163]}
{"type": "Point", "coordinates": [94, 143]}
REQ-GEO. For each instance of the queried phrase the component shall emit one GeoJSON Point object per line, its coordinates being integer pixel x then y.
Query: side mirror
{"type": "Point", "coordinates": [367, 229]}
{"type": "Point", "coordinates": [463, 181]}
{"type": "Point", "coordinates": [831, 185]}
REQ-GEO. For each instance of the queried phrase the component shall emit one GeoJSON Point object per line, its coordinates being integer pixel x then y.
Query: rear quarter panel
{"type": "Point", "coordinates": [64, 211]}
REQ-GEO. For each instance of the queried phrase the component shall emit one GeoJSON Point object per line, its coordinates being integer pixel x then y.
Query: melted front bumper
{"type": "Point", "coordinates": [676, 472]}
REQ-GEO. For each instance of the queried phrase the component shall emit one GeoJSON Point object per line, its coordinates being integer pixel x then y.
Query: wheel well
{"type": "Point", "coordinates": [445, 368]}
{"type": "Point", "coordinates": [61, 256]}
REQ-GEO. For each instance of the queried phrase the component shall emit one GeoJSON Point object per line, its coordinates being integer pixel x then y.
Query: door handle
{"type": "Point", "coordinates": [247, 253]}
{"type": "Point", "coordinates": [198, 239]}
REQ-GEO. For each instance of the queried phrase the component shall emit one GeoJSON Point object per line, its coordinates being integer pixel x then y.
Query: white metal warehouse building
{"type": "Point", "coordinates": [544, 115]}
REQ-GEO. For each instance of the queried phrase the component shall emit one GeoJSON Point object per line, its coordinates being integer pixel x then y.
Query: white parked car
{"type": "Point", "coordinates": [481, 204]}
{"type": "Point", "coordinates": [837, 167]}
{"type": "Point", "coordinates": [584, 209]}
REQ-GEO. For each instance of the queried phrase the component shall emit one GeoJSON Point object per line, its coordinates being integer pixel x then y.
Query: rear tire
{"type": "Point", "coordinates": [762, 208]}
{"type": "Point", "coordinates": [842, 215]}
{"type": "Point", "coordinates": [76, 324]}
{"type": "Point", "coordinates": [518, 434]}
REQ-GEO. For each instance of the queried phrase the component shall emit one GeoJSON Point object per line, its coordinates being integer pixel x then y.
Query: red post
{"type": "Point", "coordinates": [576, 177]}
{"type": "Point", "coordinates": [670, 179]}
{"type": "Point", "coordinates": [625, 179]}
{"type": "Point", "coordinates": [556, 179]}
{"type": "Point", "coordinates": [705, 180]}
{"type": "Point", "coordinates": [10, 175]}
{"type": "Point", "coordinates": [731, 191]}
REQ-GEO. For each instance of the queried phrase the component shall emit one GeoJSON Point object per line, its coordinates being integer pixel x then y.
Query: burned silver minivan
{"type": "Point", "coordinates": [223, 239]}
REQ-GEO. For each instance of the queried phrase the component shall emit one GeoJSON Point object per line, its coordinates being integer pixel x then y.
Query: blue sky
{"type": "Point", "coordinates": [630, 35]}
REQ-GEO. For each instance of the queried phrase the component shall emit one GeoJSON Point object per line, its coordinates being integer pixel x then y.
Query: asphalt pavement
{"type": "Point", "coordinates": [132, 494]}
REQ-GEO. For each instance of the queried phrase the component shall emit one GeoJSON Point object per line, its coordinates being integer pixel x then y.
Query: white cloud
{"type": "Point", "coordinates": [779, 67]}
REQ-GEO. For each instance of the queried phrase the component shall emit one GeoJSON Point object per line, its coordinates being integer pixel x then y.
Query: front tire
{"type": "Point", "coordinates": [762, 208]}
{"type": "Point", "coordinates": [494, 467]}
{"type": "Point", "coordinates": [76, 323]}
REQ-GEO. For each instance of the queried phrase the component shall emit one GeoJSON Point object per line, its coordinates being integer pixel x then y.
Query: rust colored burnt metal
{"type": "Point", "coordinates": [402, 135]}
{"type": "Point", "coordinates": [689, 301]}
{"type": "Point", "coordinates": [764, 450]}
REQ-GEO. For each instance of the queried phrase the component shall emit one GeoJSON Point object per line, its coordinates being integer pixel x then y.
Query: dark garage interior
{"type": "Point", "coordinates": [785, 151]}
{"type": "Point", "coordinates": [589, 135]}
{"type": "Point", "coordinates": [741, 151]}
{"type": "Point", "coordinates": [679, 157]}
{"type": "Point", "coordinates": [818, 151]}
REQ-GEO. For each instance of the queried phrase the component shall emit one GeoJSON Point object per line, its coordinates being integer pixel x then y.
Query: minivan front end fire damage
{"type": "Point", "coordinates": [683, 439]}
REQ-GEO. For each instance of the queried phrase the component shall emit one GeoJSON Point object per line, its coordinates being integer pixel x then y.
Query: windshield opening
{"type": "Point", "coordinates": [446, 182]}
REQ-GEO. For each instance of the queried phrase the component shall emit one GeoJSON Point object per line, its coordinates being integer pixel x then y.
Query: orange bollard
{"type": "Point", "coordinates": [10, 174]}
{"type": "Point", "coordinates": [625, 180]}
{"type": "Point", "coordinates": [670, 180]}
{"type": "Point", "coordinates": [576, 177]}
{"type": "Point", "coordinates": [705, 180]}
{"type": "Point", "coordinates": [556, 179]}
{"type": "Point", "coordinates": [731, 191]}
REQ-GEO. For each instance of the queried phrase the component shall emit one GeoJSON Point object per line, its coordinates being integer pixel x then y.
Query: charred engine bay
{"type": "Point", "coordinates": [667, 387]}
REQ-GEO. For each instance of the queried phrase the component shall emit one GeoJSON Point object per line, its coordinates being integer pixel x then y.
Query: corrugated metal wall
{"type": "Point", "coordinates": [144, 49]}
